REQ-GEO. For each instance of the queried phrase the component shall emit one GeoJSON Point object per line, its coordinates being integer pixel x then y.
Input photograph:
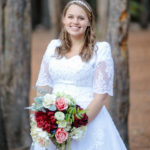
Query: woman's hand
{"type": "Point", "coordinates": [41, 90]}
{"type": "Point", "coordinates": [95, 106]}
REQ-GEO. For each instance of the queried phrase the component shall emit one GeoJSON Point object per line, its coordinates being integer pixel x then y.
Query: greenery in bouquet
{"type": "Point", "coordinates": [59, 118]}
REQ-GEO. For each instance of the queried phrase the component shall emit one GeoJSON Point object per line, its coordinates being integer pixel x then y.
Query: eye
{"type": "Point", "coordinates": [81, 18]}
{"type": "Point", "coordinates": [70, 17]}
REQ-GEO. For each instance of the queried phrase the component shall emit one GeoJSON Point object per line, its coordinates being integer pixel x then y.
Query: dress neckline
{"type": "Point", "coordinates": [71, 57]}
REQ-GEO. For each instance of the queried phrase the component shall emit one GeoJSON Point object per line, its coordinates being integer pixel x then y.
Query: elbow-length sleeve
{"type": "Point", "coordinates": [104, 70]}
{"type": "Point", "coordinates": [44, 78]}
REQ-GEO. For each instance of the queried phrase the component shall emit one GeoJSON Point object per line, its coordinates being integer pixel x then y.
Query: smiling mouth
{"type": "Point", "coordinates": [75, 28]}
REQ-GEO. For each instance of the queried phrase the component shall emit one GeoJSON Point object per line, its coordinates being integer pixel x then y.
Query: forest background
{"type": "Point", "coordinates": [27, 26]}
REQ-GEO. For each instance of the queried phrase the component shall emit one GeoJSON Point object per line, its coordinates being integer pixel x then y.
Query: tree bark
{"type": "Point", "coordinates": [3, 142]}
{"type": "Point", "coordinates": [144, 18]}
{"type": "Point", "coordinates": [117, 36]}
{"type": "Point", "coordinates": [102, 11]}
{"type": "Point", "coordinates": [55, 16]}
{"type": "Point", "coordinates": [15, 25]}
{"type": "Point", "coordinates": [45, 14]}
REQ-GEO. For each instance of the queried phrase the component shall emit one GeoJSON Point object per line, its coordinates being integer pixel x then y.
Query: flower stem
{"type": "Point", "coordinates": [68, 144]}
{"type": "Point", "coordinates": [63, 147]}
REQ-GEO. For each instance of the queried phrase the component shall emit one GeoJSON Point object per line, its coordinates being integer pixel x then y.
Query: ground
{"type": "Point", "coordinates": [139, 67]}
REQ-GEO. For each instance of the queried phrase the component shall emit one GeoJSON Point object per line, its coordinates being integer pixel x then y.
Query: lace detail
{"type": "Point", "coordinates": [44, 77]}
{"type": "Point", "coordinates": [97, 73]}
{"type": "Point", "coordinates": [104, 72]}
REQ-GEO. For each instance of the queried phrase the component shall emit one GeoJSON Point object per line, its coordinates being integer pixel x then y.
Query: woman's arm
{"type": "Point", "coordinates": [95, 106]}
{"type": "Point", "coordinates": [40, 90]}
{"type": "Point", "coordinates": [103, 79]}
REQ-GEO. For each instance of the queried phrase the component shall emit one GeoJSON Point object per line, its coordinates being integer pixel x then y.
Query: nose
{"type": "Point", "coordinates": [75, 20]}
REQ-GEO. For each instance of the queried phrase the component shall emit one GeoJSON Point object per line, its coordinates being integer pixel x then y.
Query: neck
{"type": "Point", "coordinates": [77, 41]}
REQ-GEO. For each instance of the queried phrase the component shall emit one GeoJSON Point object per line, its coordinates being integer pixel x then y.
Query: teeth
{"type": "Point", "coordinates": [75, 27]}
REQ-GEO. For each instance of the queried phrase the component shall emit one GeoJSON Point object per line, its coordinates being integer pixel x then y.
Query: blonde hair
{"type": "Point", "coordinates": [90, 36]}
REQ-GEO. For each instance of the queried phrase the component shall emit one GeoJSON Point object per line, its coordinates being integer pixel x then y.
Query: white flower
{"type": "Point", "coordinates": [39, 136]}
{"type": "Point", "coordinates": [78, 133]}
{"type": "Point", "coordinates": [62, 124]}
{"type": "Point", "coordinates": [60, 116]}
{"type": "Point", "coordinates": [33, 122]}
{"type": "Point", "coordinates": [49, 99]}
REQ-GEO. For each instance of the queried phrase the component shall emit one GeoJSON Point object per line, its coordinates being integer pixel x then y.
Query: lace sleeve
{"type": "Point", "coordinates": [44, 78]}
{"type": "Point", "coordinates": [104, 70]}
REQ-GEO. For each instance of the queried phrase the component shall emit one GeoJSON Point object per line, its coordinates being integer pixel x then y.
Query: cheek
{"type": "Point", "coordinates": [67, 22]}
{"type": "Point", "coordinates": [84, 24]}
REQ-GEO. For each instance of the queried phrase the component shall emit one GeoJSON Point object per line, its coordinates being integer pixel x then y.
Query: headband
{"type": "Point", "coordinates": [80, 2]}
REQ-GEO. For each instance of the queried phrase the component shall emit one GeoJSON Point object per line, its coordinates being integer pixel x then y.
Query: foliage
{"type": "Point", "coordinates": [135, 9]}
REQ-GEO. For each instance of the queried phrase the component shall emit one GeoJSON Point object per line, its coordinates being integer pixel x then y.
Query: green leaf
{"type": "Point", "coordinates": [78, 116]}
{"type": "Point", "coordinates": [38, 100]}
{"type": "Point", "coordinates": [69, 116]}
{"type": "Point", "coordinates": [74, 110]}
{"type": "Point", "coordinates": [72, 118]}
{"type": "Point", "coordinates": [135, 8]}
{"type": "Point", "coordinates": [82, 112]}
{"type": "Point", "coordinates": [52, 108]}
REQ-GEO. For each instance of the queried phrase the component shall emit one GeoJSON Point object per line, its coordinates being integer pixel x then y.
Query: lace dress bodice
{"type": "Point", "coordinates": [75, 76]}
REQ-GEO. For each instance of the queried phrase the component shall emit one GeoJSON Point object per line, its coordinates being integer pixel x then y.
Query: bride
{"type": "Point", "coordinates": [82, 67]}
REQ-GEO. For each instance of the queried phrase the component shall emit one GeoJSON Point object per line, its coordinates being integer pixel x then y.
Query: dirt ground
{"type": "Point", "coordinates": [139, 65]}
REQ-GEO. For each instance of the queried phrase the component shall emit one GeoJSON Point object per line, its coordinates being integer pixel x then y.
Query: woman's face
{"type": "Point", "coordinates": [76, 21]}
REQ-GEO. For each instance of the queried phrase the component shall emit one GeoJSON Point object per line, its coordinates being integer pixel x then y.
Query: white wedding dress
{"type": "Point", "coordinates": [81, 80]}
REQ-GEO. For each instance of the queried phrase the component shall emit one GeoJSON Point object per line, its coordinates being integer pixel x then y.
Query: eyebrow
{"type": "Point", "coordinates": [73, 15]}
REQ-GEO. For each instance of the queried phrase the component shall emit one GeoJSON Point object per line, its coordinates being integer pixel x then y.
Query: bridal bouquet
{"type": "Point", "coordinates": [58, 118]}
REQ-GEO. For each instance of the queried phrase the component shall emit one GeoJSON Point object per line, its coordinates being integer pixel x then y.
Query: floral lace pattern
{"type": "Point", "coordinates": [96, 74]}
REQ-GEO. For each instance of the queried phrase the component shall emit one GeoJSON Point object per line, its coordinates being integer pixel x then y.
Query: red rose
{"type": "Point", "coordinates": [80, 122]}
{"type": "Point", "coordinates": [61, 104]}
{"type": "Point", "coordinates": [61, 135]}
{"type": "Point", "coordinates": [45, 120]}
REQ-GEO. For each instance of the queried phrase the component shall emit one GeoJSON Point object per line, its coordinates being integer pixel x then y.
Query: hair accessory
{"type": "Point", "coordinates": [80, 2]}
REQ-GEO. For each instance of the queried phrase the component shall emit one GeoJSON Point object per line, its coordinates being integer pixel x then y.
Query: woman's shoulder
{"type": "Point", "coordinates": [52, 46]}
{"type": "Point", "coordinates": [54, 43]}
{"type": "Point", "coordinates": [102, 48]}
{"type": "Point", "coordinates": [102, 45]}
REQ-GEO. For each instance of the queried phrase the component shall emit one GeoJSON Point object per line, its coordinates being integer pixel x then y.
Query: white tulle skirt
{"type": "Point", "coordinates": [101, 132]}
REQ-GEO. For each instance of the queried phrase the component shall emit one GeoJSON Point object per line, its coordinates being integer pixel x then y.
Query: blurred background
{"type": "Point", "coordinates": [26, 28]}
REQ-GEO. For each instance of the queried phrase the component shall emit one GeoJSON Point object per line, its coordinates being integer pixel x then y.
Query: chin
{"type": "Point", "coordinates": [73, 34]}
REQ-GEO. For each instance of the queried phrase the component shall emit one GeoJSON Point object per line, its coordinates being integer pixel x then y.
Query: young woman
{"type": "Point", "coordinates": [83, 68]}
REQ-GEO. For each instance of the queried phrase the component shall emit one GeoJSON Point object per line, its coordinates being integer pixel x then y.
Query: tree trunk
{"type": "Point", "coordinates": [117, 36]}
{"type": "Point", "coordinates": [3, 142]}
{"type": "Point", "coordinates": [102, 11]}
{"type": "Point", "coordinates": [15, 25]}
{"type": "Point", "coordinates": [144, 18]}
{"type": "Point", "coordinates": [55, 16]}
{"type": "Point", "coordinates": [45, 14]}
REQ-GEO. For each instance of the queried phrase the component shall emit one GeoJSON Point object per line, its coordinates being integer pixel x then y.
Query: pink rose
{"type": "Point", "coordinates": [61, 104]}
{"type": "Point", "coordinates": [61, 135]}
